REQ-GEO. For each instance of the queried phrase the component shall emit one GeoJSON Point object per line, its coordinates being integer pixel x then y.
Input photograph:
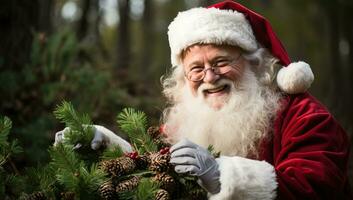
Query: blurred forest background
{"type": "Point", "coordinates": [104, 55]}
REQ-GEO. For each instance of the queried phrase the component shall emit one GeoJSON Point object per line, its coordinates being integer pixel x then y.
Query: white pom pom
{"type": "Point", "coordinates": [295, 78]}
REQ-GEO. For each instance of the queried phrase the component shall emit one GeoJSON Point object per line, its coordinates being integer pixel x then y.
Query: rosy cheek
{"type": "Point", "coordinates": [193, 87]}
{"type": "Point", "coordinates": [235, 74]}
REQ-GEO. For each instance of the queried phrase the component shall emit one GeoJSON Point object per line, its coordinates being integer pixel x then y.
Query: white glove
{"type": "Point", "coordinates": [197, 161]}
{"type": "Point", "coordinates": [102, 136]}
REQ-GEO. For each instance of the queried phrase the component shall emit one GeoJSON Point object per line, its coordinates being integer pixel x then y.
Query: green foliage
{"type": "Point", "coordinates": [76, 167]}
{"type": "Point", "coordinates": [7, 148]}
{"type": "Point", "coordinates": [42, 178]}
{"type": "Point", "coordinates": [73, 174]}
{"type": "Point", "coordinates": [212, 150]}
{"type": "Point", "coordinates": [146, 189]}
{"type": "Point", "coordinates": [5, 126]}
{"type": "Point", "coordinates": [132, 121]}
{"type": "Point", "coordinates": [10, 184]}
{"type": "Point", "coordinates": [59, 68]}
{"type": "Point", "coordinates": [80, 126]}
{"type": "Point", "coordinates": [134, 124]}
{"type": "Point", "coordinates": [112, 153]}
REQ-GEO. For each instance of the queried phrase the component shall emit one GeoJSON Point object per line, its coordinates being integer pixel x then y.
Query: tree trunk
{"type": "Point", "coordinates": [19, 20]}
{"type": "Point", "coordinates": [98, 20]}
{"type": "Point", "coordinates": [347, 20]}
{"type": "Point", "coordinates": [335, 86]}
{"type": "Point", "coordinates": [45, 16]}
{"type": "Point", "coordinates": [148, 38]}
{"type": "Point", "coordinates": [123, 41]}
{"type": "Point", "coordinates": [83, 23]}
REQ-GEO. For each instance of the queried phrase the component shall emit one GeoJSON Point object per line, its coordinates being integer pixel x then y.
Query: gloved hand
{"type": "Point", "coordinates": [102, 137]}
{"type": "Point", "coordinates": [197, 161]}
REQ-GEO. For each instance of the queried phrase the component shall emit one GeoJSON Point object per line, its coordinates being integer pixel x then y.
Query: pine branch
{"type": "Point", "coordinates": [63, 157]}
{"type": "Point", "coordinates": [5, 127]}
{"type": "Point", "coordinates": [42, 178]}
{"type": "Point", "coordinates": [134, 124]}
{"type": "Point", "coordinates": [92, 178]}
{"type": "Point", "coordinates": [7, 148]}
{"type": "Point", "coordinates": [112, 153]}
{"type": "Point", "coordinates": [68, 166]}
{"type": "Point", "coordinates": [80, 125]}
{"type": "Point", "coordinates": [146, 189]}
{"type": "Point", "coordinates": [68, 115]}
{"type": "Point", "coordinates": [213, 152]}
{"type": "Point", "coordinates": [132, 121]}
{"type": "Point", "coordinates": [73, 174]}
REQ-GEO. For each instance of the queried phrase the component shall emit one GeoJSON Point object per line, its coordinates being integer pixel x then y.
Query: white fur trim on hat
{"type": "Point", "coordinates": [245, 179]}
{"type": "Point", "coordinates": [209, 26]}
{"type": "Point", "coordinates": [295, 78]}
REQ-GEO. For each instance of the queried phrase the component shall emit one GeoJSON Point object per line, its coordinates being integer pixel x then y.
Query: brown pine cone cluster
{"type": "Point", "coordinates": [157, 137]}
{"type": "Point", "coordinates": [107, 190]}
{"type": "Point", "coordinates": [162, 195]}
{"type": "Point", "coordinates": [67, 196]}
{"type": "Point", "coordinates": [158, 169]}
{"type": "Point", "coordinates": [153, 131]}
{"type": "Point", "coordinates": [128, 184]}
{"type": "Point", "coordinates": [36, 196]}
{"type": "Point", "coordinates": [110, 190]}
{"type": "Point", "coordinates": [160, 162]}
{"type": "Point", "coordinates": [165, 181]}
{"type": "Point", "coordinates": [119, 166]}
{"type": "Point", "coordinates": [142, 162]}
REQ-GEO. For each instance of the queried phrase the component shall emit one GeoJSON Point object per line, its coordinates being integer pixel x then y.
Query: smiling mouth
{"type": "Point", "coordinates": [217, 90]}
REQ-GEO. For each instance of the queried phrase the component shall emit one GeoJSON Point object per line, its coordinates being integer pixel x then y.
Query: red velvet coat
{"type": "Point", "coordinates": [309, 151]}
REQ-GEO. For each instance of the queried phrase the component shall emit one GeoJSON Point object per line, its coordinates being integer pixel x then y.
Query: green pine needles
{"type": "Point", "coordinates": [10, 181]}
{"type": "Point", "coordinates": [80, 126]}
{"type": "Point", "coordinates": [145, 190]}
{"type": "Point", "coordinates": [134, 124]}
{"type": "Point", "coordinates": [75, 171]}
{"type": "Point", "coordinates": [73, 159]}
{"type": "Point", "coordinates": [7, 148]}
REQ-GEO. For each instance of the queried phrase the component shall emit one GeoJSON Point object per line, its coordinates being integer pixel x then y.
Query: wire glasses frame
{"type": "Point", "coordinates": [198, 74]}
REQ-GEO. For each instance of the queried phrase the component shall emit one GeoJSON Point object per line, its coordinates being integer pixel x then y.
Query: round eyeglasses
{"type": "Point", "coordinates": [219, 67]}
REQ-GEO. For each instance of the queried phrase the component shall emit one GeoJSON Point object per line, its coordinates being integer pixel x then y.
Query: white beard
{"type": "Point", "coordinates": [234, 129]}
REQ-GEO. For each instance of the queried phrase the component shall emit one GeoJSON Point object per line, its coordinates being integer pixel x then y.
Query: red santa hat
{"type": "Point", "coordinates": [233, 24]}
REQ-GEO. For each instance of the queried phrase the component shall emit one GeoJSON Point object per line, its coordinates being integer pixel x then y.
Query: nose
{"type": "Point", "coordinates": [210, 76]}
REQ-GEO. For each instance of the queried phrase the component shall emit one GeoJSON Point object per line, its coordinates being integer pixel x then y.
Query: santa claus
{"type": "Point", "coordinates": [233, 86]}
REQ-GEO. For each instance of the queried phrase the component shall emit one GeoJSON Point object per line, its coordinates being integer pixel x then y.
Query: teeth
{"type": "Point", "coordinates": [216, 89]}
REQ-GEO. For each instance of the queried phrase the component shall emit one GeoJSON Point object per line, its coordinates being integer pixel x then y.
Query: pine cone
{"type": "Point", "coordinates": [127, 185]}
{"type": "Point", "coordinates": [68, 195]}
{"type": "Point", "coordinates": [159, 162]}
{"type": "Point", "coordinates": [153, 131]}
{"type": "Point", "coordinates": [166, 181]}
{"type": "Point", "coordinates": [142, 161]}
{"type": "Point", "coordinates": [162, 195]}
{"type": "Point", "coordinates": [119, 166]}
{"type": "Point", "coordinates": [160, 142]}
{"type": "Point", "coordinates": [107, 191]}
{"type": "Point", "coordinates": [36, 196]}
